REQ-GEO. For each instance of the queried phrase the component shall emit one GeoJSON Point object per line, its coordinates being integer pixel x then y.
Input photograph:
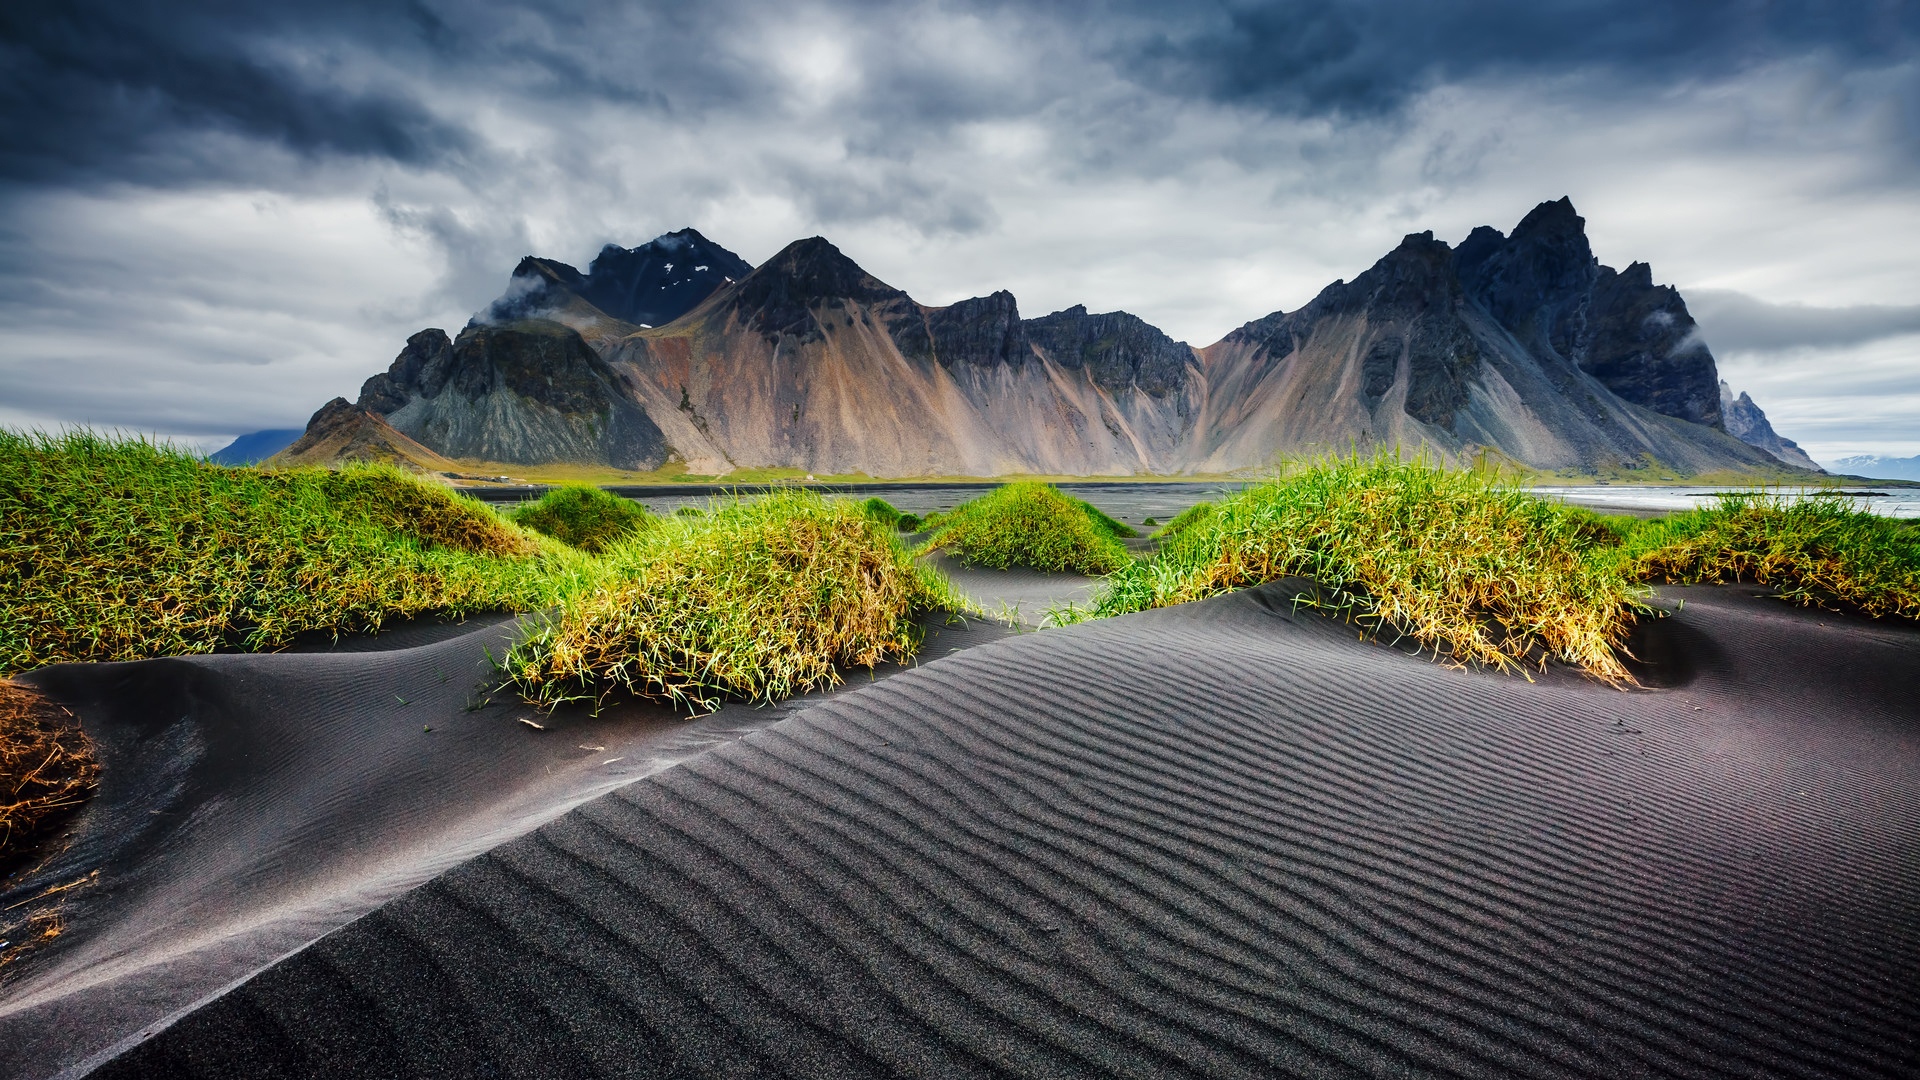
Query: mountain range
{"type": "Point", "coordinates": [1517, 347]}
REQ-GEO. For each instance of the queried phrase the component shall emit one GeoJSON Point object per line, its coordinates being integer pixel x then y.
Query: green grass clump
{"type": "Point", "coordinates": [1185, 520]}
{"type": "Point", "coordinates": [1029, 524]}
{"type": "Point", "coordinates": [119, 550]}
{"type": "Point", "coordinates": [582, 516]}
{"type": "Point", "coordinates": [1821, 551]}
{"type": "Point", "coordinates": [1483, 573]}
{"type": "Point", "coordinates": [884, 512]}
{"type": "Point", "coordinates": [1101, 520]}
{"type": "Point", "coordinates": [759, 599]}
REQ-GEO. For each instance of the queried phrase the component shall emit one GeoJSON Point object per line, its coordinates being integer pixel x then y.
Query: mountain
{"type": "Point", "coordinates": [1522, 346]}
{"type": "Point", "coordinates": [255, 447]}
{"type": "Point", "coordinates": [1878, 467]}
{"type": "Point", "coordinates": [524, 392]}
{"type": "Point", "coordinates": [649, 285]}
{"type": "Point", "coordinates": [1746, 422]}
{"type": "Point", "coordinates": [342, 431]}
{"type": "Point", "coordinates": [1518, 347]}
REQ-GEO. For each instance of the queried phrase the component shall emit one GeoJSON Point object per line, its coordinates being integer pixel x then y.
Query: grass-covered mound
{"type": "Point", "coordinates": [886, 514]}
{"type": "Point", "coordinates": [1822, 551]}
{"type": "Point", "coordinates": [1032, 525]}
{"type": "Point", "coordinates": [759, 599]}
{"type": "Point", "coordinates": [47, 768]}
{"type": "Point", "coordinates": [118, 550]}
{"type": "Point", "coordinates": [1460, 565]}
{"type": "Point", "coordinates": [582, 516]}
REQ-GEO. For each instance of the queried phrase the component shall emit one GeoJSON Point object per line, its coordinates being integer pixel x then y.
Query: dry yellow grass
{"type": "Point", "coordinates": [47, 768]}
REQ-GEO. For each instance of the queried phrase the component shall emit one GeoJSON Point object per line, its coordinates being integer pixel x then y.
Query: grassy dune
{"type": "Point", "coordinates": [583, 517]}
{"type": "Point", "coordinates": [1032, 525]}
{"type": "Point", "coordinates": [115, 550]}
{"type": "Point", "coordinates": [759, 599]}
{"type": "Point", "coordinates": [1450, 559]}
{"type": "Point", "coordinates": [1817, 552]}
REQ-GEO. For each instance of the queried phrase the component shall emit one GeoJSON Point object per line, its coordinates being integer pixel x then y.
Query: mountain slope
{"type": "Point", "coordinates": [526, 392]}
{"type": "Point", "coordinates": [342, 431]}
{"type": "Point", "coordinates": [1747, 423]}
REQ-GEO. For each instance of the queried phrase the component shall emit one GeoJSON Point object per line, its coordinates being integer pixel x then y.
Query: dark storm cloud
{"type": "Point", "coordinates": [1735, 322]}
{"type": "Point", "coordinates": [123, 90]}
{"type": "Point", "coordinates": [105, 89]}
{"type": "Point", "coordinates": [1319, 56]}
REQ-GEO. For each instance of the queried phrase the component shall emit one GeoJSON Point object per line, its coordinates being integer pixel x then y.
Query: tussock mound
{"type": "Point", "coordinates": [1034, 526]}
{"type": "Point", "coordinates": [123, 550]}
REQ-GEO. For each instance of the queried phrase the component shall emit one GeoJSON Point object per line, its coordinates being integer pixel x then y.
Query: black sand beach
{"type": "Point", "coordinates": [1222, 839]}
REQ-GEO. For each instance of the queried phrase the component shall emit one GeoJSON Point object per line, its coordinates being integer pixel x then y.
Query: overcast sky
{"type": "Point", "coordinates": [215, 216]}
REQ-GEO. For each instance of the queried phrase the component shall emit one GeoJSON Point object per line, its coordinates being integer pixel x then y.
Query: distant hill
{"type": "Point", "coordinates": [255, 447]}
{"type": "Point", "coordinates": [1518, 347]}
{"type": "Point", "coordinates": [1880, 468]}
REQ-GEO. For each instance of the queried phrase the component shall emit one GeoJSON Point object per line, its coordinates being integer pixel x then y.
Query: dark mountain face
{"type": "Point", "coordinates": [982, 331]}
{"type": "Point", "coordinates": [1538, 282]}
{"type": "Point", "coordinates": [1411, 302]}
{"type": "Point", "coordinates": [1545, 287]}
{"type": "Point", "coordinates": [650, 285]}
{"type": "Point", "coordinates": [1119, 351]}
{"type": "Point", "coordinates": [661, 280]}
{"type": "Point", "coordinates": [422, 368]}
{"type": "Point", "coordinates": [529, 391]}
{"type": "Point", "coordinates": [1646, 348]}
{"type": "Point", "coordinates": [810, 280]}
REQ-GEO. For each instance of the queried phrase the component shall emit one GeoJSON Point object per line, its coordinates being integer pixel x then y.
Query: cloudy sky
{"type": "Point", "coordinates": [214, 216]}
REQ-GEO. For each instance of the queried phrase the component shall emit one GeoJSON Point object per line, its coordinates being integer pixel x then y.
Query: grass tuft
{"type": "Point", "coordinates": [758, 599]}
{"type": "Point", "coordinates": [884, 512]}
{"type": "Point", "coordinates": [1033, 525]}
{"type": "Point", "coordinates": [47, 768]}
{"type": "Point", "coordinates": [119, 550]}
{"type": "Point", "coordinates": [582, 516]}
{"type": "Point", "coordinates": [1484, 574]}
{"type": "Point", "coordinates": [1821, 551]}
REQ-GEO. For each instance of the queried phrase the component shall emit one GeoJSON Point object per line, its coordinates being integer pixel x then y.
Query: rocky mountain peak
{"type": "Point", "coordinates": [662, 279]}
{"type": "Point", "coordinates": [1746, 422]}
{"type": "Point", "coordinates": [649, 285]}
{"type": "Point", "coordinates": [1537, 281]}
{"type": "Point", "coordinates": [781, 295]}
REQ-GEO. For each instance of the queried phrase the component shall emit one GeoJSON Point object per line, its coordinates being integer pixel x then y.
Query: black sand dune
{"type": "Point", "coordinates": [1223, 839]}
{"type": "Point", "coordinates": [1017, 595]}
{"type": "Point", "coordinates": [251, 804]}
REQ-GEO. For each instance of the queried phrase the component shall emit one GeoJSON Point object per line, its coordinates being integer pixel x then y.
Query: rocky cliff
{"type": "Point", "coordinates": [525, 392]}
{"type": "Point", "coordinates": [1745, 421]}
{"type": "Point", "coordinates": [1521, 347]}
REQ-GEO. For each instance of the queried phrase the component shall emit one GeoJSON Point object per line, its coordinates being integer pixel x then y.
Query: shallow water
{"type": "Point", "coordinates": [1134, 503]}
{"type": "Point", "coordinates": [1890, 501]}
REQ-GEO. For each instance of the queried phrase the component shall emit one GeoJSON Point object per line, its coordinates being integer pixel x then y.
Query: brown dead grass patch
{"type": "Point", "coordinates": [47, 768]}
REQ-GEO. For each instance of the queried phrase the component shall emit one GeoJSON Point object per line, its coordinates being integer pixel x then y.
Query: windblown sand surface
{"type": "Point", "coordinates": [251, 804]}
{"type": "Point", "coordinates": [1222, 839]}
